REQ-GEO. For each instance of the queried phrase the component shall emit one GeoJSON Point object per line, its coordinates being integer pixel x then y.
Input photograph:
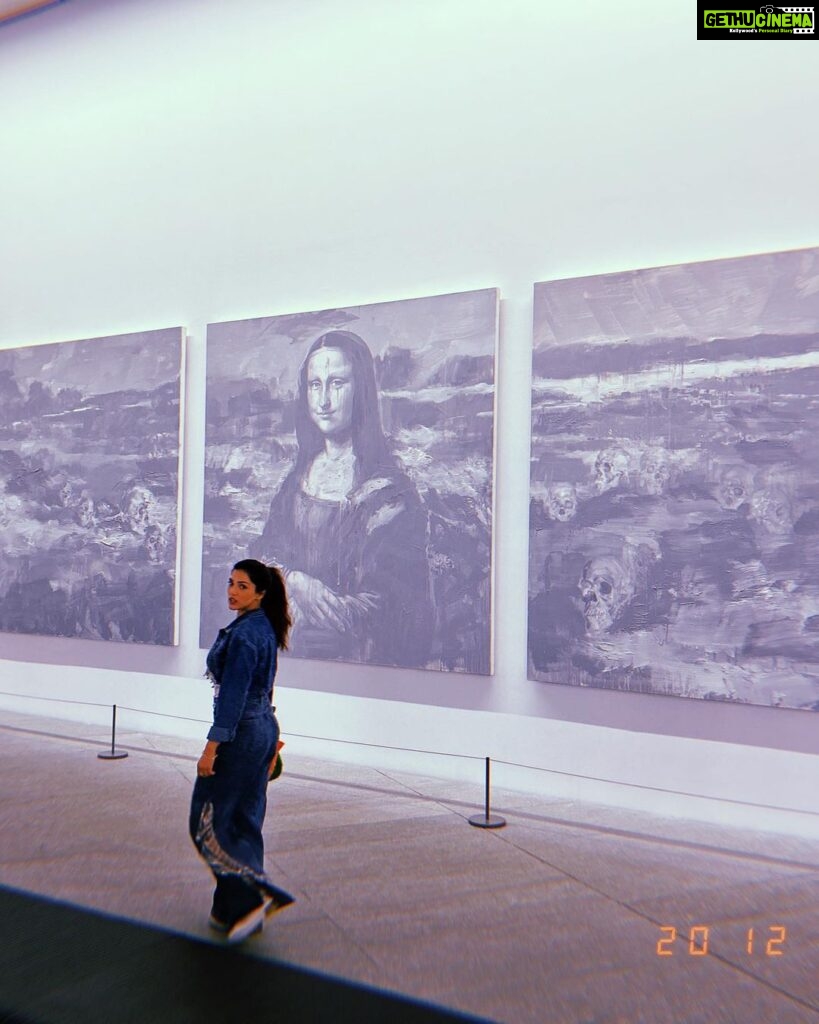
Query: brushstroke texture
{"type": "Point", "coordinates": [89, 453]}
{"type": "Point", "coordinates": [674, 513]}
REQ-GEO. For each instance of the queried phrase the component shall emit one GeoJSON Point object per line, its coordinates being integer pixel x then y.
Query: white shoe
{"type": "Point", "coordinates": [273, 904]}
{"type": "Point", "coordinates": [247, 925]}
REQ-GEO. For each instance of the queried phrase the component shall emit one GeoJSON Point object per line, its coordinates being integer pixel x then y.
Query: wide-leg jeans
{"type": "Point", "coordinates": [227, 814]}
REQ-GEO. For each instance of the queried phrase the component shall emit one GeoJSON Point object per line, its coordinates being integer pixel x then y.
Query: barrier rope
{"type": "Point", "coordinates": [445, 753]}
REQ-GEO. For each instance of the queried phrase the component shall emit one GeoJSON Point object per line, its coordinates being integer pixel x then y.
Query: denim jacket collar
{"type": "Point", "coordinates": [242, 618]}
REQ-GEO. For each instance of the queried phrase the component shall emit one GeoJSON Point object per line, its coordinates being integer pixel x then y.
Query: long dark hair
{"type": "Point", "coordinates": [371, 448]}
{"type": "Point", "coordinates": [268, 580]}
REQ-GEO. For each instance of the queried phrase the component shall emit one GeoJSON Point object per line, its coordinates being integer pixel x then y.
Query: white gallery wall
{"type": "Point", "coordinates": [169, 162]}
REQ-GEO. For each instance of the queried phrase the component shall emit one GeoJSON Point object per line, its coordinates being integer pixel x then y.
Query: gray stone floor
{"type": "Point", "coordinates": [555, 919]}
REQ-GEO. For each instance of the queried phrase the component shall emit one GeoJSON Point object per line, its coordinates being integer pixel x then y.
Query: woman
{"type": "Point", "coordinates": [230, 794]}
{"type": "Point", "coordinates": [347, 525]}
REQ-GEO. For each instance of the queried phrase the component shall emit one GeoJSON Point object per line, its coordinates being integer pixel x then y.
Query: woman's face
{"type": "Point", "coordinates": [330, 391]}
{"type": "Point", "coordinates": [242, 593]}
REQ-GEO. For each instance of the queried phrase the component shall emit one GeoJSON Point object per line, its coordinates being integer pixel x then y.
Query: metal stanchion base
{"type": "Point", "coordinates": [113, 755]}
{"type": "Point", "coordinates": [481, 821]}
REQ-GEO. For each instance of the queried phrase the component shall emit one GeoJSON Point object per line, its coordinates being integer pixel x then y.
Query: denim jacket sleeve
{"type": "Point", "coordinates": [240, 662]}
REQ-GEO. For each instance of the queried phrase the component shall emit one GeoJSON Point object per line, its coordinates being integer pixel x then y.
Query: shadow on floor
{"type": "Point", "coordinates": [60, 964]}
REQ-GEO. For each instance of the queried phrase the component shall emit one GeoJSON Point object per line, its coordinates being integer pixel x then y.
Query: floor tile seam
{"type": "Point", "coordinates": [637, 908]}
{"type": "Point", "coordinates": [442, 802]}
{"type": "Point", "coordinates": [623, 904]}
{"type": "Point", "coordinates": [643, 908]}
{"type": "Point", "coordinates": [406, 912]}
{"type": "Point", "coordinates": [512, 810]}
{"type": "Point", "coordinates": [100, 740]}
{"type": "Point", "coordinates": [335, 840]}
{"type": "Point", "coordinates": [724, 961]}
{"type": "Point", "coordinates": [64, 858]}
{"type": "Point", "coordinates": [330, 818]}
{"type": "Point", "coordinates": [317, 798]}
{"type": "Point", "coordinates": [98, 736]}
{"type": "Point", "coordinates": [476, 885]}
{"type": "Point", "coordinates": [459, 911]}
{"type": "Point", "coordinates": [380, 790]}
{"type": "Point", "coordinates": [102, 744]}
{"type": "Point", "coordinates": [446, 804]}
{"type": "Point", "coordinates": [740, 888]}
{"type": "Point", "coordinates": [451, 805]}
{"type": "Point", "coordinates": [351, 939]}
{"type": "Point", "coordinates": [606, 831]}
{"type": "Point", "coordinates": [354, 826]}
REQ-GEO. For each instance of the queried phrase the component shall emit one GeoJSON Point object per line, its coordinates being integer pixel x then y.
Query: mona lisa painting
{"type": "Point", "coordinates": [354, 449]}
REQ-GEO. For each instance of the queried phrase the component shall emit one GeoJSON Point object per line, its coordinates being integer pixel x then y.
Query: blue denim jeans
{"type": "Point", "coordinates": [227, 815]}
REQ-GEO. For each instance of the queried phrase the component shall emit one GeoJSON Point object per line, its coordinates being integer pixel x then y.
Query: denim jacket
{"type": "Point", "coordinates": [242, 664]}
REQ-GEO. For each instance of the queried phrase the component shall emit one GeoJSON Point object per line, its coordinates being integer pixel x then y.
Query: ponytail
{"type": "Point", "coordinates": [276, 607]}
{"type": "Point", "coordinates": [268, 579]}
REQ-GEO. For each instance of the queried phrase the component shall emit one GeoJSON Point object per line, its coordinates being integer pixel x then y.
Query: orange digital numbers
{"type": "Point", "coordinates": [698, 941]}
{"type": "Point", "coordinates": [664, 945]}
{"type": "Point", "coordinates": [773, 945]}
{"type": "Point", "coordinates": [699, 937]}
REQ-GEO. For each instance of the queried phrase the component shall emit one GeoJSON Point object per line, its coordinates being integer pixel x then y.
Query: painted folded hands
{"type": "Point", "coordinates": [315, 603]}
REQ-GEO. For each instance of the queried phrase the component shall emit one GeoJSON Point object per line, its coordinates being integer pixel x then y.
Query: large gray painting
{"type": "Point", "coordinates": [354, 448]}
{"type": "Point", "coordinates": [89, 467]}
{"type": "Point", "coordinates": [674, 516]}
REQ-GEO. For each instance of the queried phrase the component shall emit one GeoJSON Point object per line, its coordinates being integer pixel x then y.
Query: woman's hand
{"type": "Point", "coordinates": [205, 766]}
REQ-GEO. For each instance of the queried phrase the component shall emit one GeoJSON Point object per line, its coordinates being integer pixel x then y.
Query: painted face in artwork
{"type": "Point", "coordinates": [735, 487]}
{"type": "Point", "coordinates": [655, 471]}
{"type": "Point", "coordinates": [562, 503]}
{"type": "Point", "coordinates": [138, 508]}
{"type": "Point", "coordinates": [155, 544]}
{"type": "Point", "coordinates": [605, 590]}
{"type": "Point", "coordinates": [610, 469]}
{"type": "Point", "coordinates": [330, 391]}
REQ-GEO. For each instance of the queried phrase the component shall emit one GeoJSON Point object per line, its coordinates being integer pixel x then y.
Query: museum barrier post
{"type": "Point", "coordinates": [113, 754]}
{"type": "Point", "coordinates": [487, 820]}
